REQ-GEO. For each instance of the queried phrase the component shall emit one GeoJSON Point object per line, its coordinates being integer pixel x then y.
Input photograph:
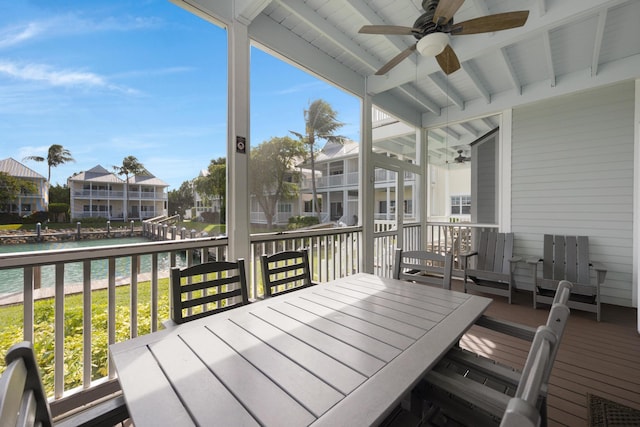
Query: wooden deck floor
{"type": "Point", "coordinates": [598, 358]}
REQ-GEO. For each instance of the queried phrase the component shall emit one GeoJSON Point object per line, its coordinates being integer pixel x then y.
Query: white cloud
{"type": "Point", "coordinates": [66, 78]}
{"type": "Point", "coordinates": [73, 24]}
{"type": "Point", "coordinates": [18, 34]}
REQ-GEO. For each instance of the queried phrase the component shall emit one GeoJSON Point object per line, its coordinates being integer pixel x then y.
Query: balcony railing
{"type": "Point", "coordinates": [351, 180]}
{"type": "Point", "coordinates": [334, 253]}
{"type": "Point", "coordinates": [118, 195]}
{"type": "Point", "coordinates": [98, 194]}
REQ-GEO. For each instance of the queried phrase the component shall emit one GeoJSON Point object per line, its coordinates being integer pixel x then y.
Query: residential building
{"type": "Point", "coordinates": [202, 203]}
{"type": "Point", "coordinates": [26, 202]}
{"type": "Point", "coordinates": [100, 193]}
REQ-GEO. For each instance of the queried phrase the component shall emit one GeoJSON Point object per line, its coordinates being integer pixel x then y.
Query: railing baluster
{"type": "Point", "coordinates": [28, 308]}
{"type": "Point", "coordinates": [133, 291]}
{"type": "Point", "coordinates": [154, 292]}
{"type": "Point", "coordinates": [86, 323]}
{"type": "Point", "coordinates": [58, 382]}
{"type": "Point", "coordinates": [111, 309]}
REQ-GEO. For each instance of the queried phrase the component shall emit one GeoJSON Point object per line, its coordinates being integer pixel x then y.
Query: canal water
{"type": "Point", "coordinates": [12, 280]}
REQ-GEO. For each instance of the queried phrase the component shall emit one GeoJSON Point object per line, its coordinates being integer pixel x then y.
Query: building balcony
{"type": "Point", "coordinates": [98, 194]}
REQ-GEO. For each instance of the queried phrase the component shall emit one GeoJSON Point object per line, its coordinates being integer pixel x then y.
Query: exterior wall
{"type": "Point", "coordinates": [107, 200]}
{"type": "Point", "coordinates": [572, 173]}
{"type": "Point", "coordinates": [26, 204]}
{"type": "Point", "coordinates": [35, 202]}
{"type": "Point", "coordinates": [444, 182]}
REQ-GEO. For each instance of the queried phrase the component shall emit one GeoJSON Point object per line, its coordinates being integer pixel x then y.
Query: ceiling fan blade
{"type": "Point", "coordinates": [448, 60]}
{"type": "Point", "coordinates": [387, 29]}
{"type": "Point", "coordinates": [445, 11]}
{"type": "Point", "coordinates": [396, 60]}
{"type": "Point", "coordinates": [491, 23]}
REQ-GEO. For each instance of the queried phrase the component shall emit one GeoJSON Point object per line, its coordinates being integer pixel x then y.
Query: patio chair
{"type": "Point", "coordinates": [285, 271]}
{"type": "Point", "coordinates": [23, 401]}
{"type": "Point", "coordinates": [423, 267]}
{"type": "Point", "coordinates": [495, 265]}
{"type": "Point", "coordinates": [205, 289]}
{"type": "Point", "coordinates": [567, 258]}
{"type": "Point", "coordinates": [478, 392]}
{"type": "Point", "coordinates": [487, 371]}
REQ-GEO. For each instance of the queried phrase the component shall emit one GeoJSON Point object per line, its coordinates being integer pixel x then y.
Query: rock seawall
{"type": "Point", "coordinates": [14, 237]}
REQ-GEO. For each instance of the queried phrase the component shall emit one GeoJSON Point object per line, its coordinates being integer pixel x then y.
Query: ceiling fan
{"type": "Point", "coordinates": [461, 158]}
{"type": "Point", "coordinates": [432, 27]}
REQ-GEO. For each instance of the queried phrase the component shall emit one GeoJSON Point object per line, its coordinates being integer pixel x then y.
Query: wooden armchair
{"type": "Point", "coordinates": [474, 390]}
{"type": "Point", "coordinates": [23, 401]}
{"type": "Point", "coordinates": [423, 267]}
{"type": "Point", "coordinates": [495, 265]}
{"type": "Point", "coordinates": [205, 289]}
{"type": "Point", "coordinates": [567, 258]}
{"type": "Point", "coordinates": [285, 272]}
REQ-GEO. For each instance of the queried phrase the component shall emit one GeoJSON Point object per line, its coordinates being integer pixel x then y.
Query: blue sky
{"type": "Point", "coordinates": [112, 78]}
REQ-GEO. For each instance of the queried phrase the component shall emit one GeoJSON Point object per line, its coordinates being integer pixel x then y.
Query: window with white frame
{"type": "Point", "coordinates": [284, 208]}
{"type": "Point", "coordinates": [461, 205]}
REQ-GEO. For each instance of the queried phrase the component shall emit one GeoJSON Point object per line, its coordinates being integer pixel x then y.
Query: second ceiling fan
{"type": "Point", "coordinates": [432, 27]}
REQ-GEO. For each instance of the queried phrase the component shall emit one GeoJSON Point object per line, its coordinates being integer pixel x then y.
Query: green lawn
{"type": "Point", "coordinates": [11, 329]}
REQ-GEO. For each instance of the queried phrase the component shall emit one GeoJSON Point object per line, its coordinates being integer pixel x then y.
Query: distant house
{"type": "Point", "coordinates": [26, 203]}
{"type": "Point", "coordinates": [202, 203]}
{"type": "Point", "coordinates": [100, 193]}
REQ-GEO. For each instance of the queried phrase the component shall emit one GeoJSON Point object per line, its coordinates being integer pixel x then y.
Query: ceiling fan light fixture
{"type": "Point", "coordinates": [432, 44]}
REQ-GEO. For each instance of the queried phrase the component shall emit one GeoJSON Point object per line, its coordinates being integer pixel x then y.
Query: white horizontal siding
{"type": "Point", "coordinates": [572, 174]}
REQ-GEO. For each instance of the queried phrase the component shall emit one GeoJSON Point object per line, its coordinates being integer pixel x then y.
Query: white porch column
{"type": "Point", "coordinates": [421, 196]}
{"type": "Point", "coordinates": [366, 192]}
{"type": "Point", "coordinates": [635, 292]}
{"type": "Point", "coordinates": [238, 142]}
{"type": "Point", "coordinates": [504, 174]}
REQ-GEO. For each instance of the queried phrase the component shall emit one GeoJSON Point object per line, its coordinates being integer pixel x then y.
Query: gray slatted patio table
{"type": "Point", "coordinates": [340, 353]}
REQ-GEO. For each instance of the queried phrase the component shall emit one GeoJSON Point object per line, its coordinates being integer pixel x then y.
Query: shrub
{"type": "Point", "coordinates": [302, 221]}
{"type": "Point", "coordinates": [210, 217]}
{"type": "Point", "coordinates": [91, 222]}
{"type": "Point", "coordinates": [36, 217]}
{"type": "Point", "coordinates": [10, 218]}
{"type": "Point", "coordinates": [11, 330]}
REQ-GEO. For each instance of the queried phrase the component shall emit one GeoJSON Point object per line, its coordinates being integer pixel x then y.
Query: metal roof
{"type": "Point", "coordinates": [18, 170]}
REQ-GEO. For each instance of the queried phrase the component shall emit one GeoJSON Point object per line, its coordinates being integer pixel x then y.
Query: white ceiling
{"type": "Point", "coordinates": [565, 46]}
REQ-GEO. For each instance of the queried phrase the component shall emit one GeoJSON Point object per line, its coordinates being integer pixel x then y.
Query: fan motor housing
{"type": "Point", "coordinates": [425, 22]}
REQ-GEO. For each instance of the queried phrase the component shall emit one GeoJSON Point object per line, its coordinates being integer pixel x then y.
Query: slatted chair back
{"type": "Point", "coordinates": [494, 251]}
{"type": "Point", "coordinates": [487, 384]}
{"type": "Point", "coordinates": [521, 409]}
{"type": "Point", "coordinates": [285, 271]}
{"type": "Point", "coordinates": [205, 289]}
{"type": "Point", "coordinates": [425, 267]}
{"type": "Point", "coordinates": [566, 257]}
{"type": "Point", "coordinates": [22, 398]}
{"type": "Point", "coordinates": [494, 267]}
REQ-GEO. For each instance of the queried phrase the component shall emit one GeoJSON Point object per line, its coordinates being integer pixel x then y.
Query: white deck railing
{"type": "Point", "coordinates": [334, 253]}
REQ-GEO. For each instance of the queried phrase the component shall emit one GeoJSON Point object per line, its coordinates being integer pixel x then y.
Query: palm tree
{"type": "Point", "coordinates": [56, 156]}
{"type": "Point", "coordinates": [130, 167]}
{"type": "Point", "coordinates": [320, 123]}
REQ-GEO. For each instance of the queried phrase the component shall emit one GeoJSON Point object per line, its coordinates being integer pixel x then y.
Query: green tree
{"type": "Point", "coordinates": [321, 123]}
{"type": "Point", "coordinates": [214, 185]}
{"type": "Point", "coordinates": [11, 188]}
{"type": "Point", "coordinates": [56, 156]}
{"type": "Point", "coordinates": [273, 174]}
{"type": "Point", "coordinates": [181, 199]}
{"type": "Point", "coordinates": [59, 202]}
{"type": "Point", "coordinates": [59, 194]}
{"type": "Point", "coordinates": [130, 168]}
